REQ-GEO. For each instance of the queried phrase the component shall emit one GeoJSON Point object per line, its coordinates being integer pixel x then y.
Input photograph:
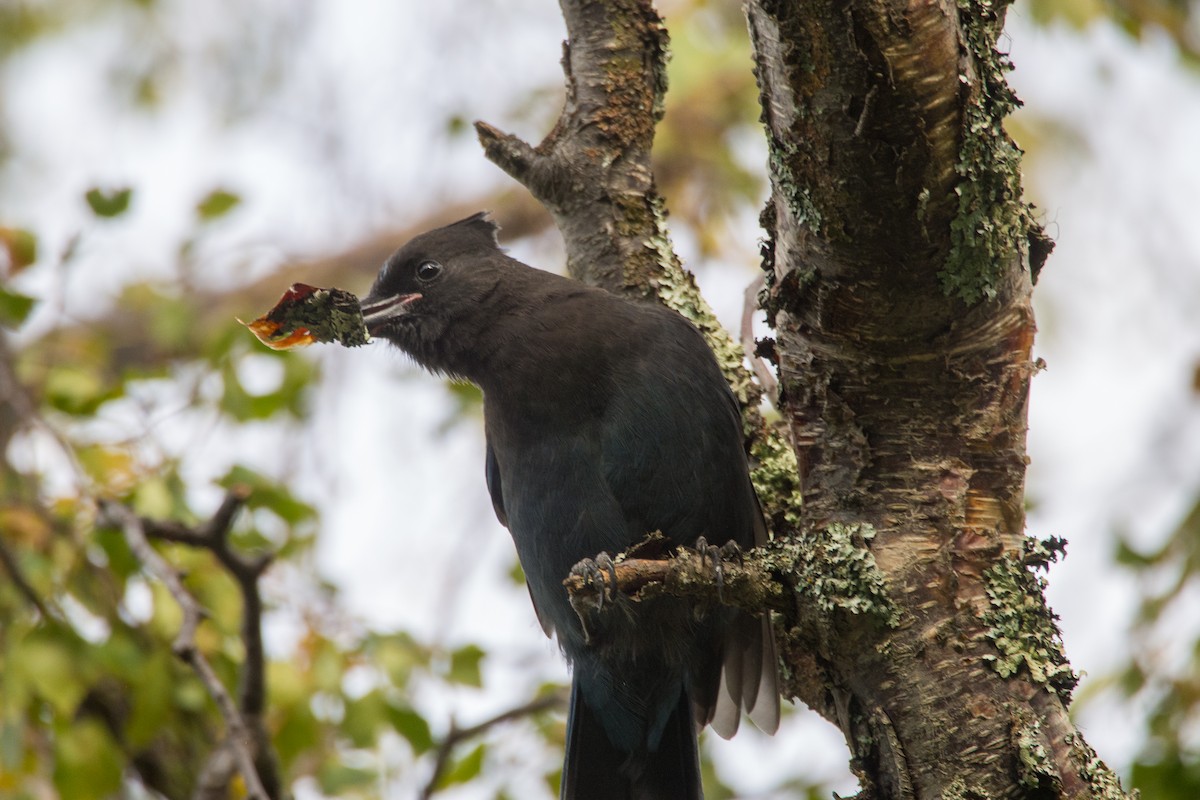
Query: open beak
{"type": "Point", "coordinates": [378, 311]}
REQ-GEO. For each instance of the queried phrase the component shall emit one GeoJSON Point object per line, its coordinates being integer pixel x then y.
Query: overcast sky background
{"type": "Point", "coordinates": [408, 530]}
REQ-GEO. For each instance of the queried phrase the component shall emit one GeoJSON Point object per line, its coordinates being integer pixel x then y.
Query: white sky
{"type": "Point", "coordinates": [354, 141]}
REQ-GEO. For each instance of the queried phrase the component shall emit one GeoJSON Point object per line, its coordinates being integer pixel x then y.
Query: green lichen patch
{"type": "Point", "coordinates": [993, 223]}
{"type": "Point", "coordinates": [835, 571]}
{"type": "Point", "coordinates": [1020, 625]}
{"type": "Point", "coordinates": [781, 154]}
{"type": "Point", "coordinates": [1035, 770]}
{"type": "Point", "coordinates": [776, 478]}
{"type": "Point", "coordinates": [1102, 782]}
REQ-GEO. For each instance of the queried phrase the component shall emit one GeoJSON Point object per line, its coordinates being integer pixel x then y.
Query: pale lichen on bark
{"type": "Point", "coordinates": [1035, 769]}
{"type": "Point", "coordinates": [994, 224]}
{"type": "Point", "coordinates": [1102, 784]}
{"type": "Point", "coordinates": [836, 570]}
{"type": "Point", "coordinates": [1020, 625]}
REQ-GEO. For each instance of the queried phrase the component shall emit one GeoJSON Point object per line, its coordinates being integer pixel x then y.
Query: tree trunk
{"type": "Point", "coordinates": [900, 261]}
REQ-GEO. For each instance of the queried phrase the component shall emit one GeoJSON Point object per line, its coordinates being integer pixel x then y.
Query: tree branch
{"type": "Point", "coordinates": [457, 735]}
{"type": "Point", "coordinates": [247, 745]}
{"type": "Point", "coordinates": [746, 582]}
{"type": "Point", "coordinates": [592, 171]}
{"type": "Point", "coordinates": [214, 536]}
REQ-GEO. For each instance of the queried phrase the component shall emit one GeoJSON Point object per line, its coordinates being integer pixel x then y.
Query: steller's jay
{"type": "Point", "coordinates": [605, 419]}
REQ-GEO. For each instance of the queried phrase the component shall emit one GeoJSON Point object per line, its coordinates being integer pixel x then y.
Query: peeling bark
{"type": "Point", "coordinates": [899, 267]}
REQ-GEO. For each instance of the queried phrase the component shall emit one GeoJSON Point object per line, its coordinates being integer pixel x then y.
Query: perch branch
{"type": "Point", "coordinates": [746, 583]}
{"type": "Point", "coordinates": [214, 534]}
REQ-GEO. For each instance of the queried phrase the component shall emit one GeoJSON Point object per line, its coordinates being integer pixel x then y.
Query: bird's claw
{"type": "Point", "coordinates": [730, 550]}
{"type": "Point", "coordinates": [596, 573]}
{"type": "Point", "coordinates": [601, 574]}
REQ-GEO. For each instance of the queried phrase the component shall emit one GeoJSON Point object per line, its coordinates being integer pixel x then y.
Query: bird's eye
{"type": "Point", "coordinates": [428, 270]}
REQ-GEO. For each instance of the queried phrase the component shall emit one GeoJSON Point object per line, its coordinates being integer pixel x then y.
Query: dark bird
{"type": "Point", "coordinates": [605, 419]}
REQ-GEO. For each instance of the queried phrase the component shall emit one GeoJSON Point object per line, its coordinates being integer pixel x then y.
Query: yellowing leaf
{"type": "Point", "coordinates": [24, 526]}
{"type": "Point", "coordinates": [21, 246]}
{"type": "Point", "coordinates": [113, 469]}
{"type": "Point", "coordinates": [48, 664]}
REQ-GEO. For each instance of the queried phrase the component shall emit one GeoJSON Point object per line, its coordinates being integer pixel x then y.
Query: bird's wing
{"type": "Point", "coordinates": [492, 471]}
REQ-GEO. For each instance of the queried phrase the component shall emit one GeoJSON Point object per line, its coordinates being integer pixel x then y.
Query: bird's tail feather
{"type": "Point", "coordinates": [596, 770]}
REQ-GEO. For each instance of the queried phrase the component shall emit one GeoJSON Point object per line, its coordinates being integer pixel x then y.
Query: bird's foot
{"type": "Point", "coordinates": [601, 574]}
{"type": "Point", "coordinates": [598, 572]}
{"type": "Point", "coordinates": [730, 550]}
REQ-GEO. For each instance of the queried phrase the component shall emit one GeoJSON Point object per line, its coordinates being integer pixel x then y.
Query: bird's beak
{"type": "Point", "coordinates": [377, 311]}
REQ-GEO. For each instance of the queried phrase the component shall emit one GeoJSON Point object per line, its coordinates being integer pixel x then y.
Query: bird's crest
{"type": "Point", "coordinates": [481, 222]}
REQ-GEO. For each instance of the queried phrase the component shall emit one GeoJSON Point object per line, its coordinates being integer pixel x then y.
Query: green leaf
{"type": "Point", "coordinates": [328, 666]}
{"type": "Point", "coordinates": [153, 498]}
{"type": "Point", "coordinates": [516, 573]}
{"type": "Point", "coordinates": [397, 654]}
{"type": "Point", "coordinates": [11, 745]}
{"type": "Point", "coordinates": [412, 726]}
{"type": "Point", "coordinates": [47, 660]}
{"type": "Point", "coordinates": [189, 694]}
{"type": "Point", "coordinates": [151, 707]}
{"type": "Point", "coordinates": [465, 769]}
{"type": "Point", "coordinates": [464, 666]}
{"type": "Point", "coordinates": [363, 718]}
{"type": "Point", "coordinates": [216, 203]}
{"type": "Point", "coordinates": [337, 778]}
{"type": "Point", "coordinates": [1169, 777]}
{"type": "Point", "coordinates": [14, 307]}
{"type": "Point", "coordinates": [109, 203]}
{"type": "Point", "coordinates": [87, 763]}
{"type": "Point", "coordinates": [77, 389]}
{"type": "Point", "coordinates": [121, 560]}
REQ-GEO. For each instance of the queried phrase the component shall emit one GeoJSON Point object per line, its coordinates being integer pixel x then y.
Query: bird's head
{"type": "Point", "coordinates": [429, 293]}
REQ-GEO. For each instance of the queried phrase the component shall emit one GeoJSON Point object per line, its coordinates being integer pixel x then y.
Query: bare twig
{"type": "Point", "coordinates": [457, 735]}
{"type": "Point", "coordinates": [214, 536]}
{"type": "Point", "coordinates": [240, 738]}
{"type": "Point", "coordinates": [24, 587]}
{"type": "Point", "coordinates": [765, 379]}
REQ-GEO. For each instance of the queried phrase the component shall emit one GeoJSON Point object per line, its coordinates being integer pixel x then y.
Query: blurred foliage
{"type": "Point", "coordinates": [1162, 673]}
{"type": "Point", "coordinates": [708, 150]}
{"type": "Point", "coordinates": [1179, 20]}
{"type": "Point", "coordinates": [91, 696]}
